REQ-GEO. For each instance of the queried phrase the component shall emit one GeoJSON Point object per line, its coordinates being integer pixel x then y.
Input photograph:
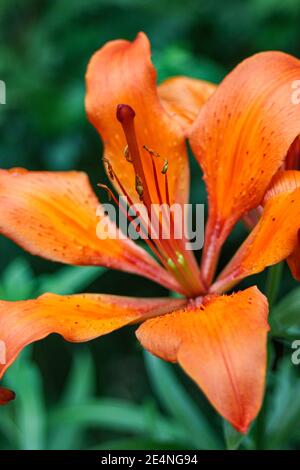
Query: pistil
{"type": "Point", "coordinates": [170, 251]}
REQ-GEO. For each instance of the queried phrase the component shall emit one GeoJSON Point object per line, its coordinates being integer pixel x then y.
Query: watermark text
{"type": "Point", "coordinates": [164, 222]}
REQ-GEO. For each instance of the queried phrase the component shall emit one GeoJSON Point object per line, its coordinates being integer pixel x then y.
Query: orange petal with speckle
{"type": "Point", "coordinates": [274, 238]}
{"type": "Point", "coordinates": [221, 345]}
{"type": "Point", "coordinates": [183, 97]}
{"type": "Point", "coordinates": [54, 215]}
{"type": "Point", "coordinates": [77, 318]}
{"type": "Point", "coordinates": [121, 72]}
{"type": "Point", "coordinates": [241, 137]}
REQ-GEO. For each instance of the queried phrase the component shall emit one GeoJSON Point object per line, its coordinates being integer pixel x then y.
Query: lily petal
{"type": "Point", "coordinates": [121, 72]}
{"type": "Point", "coordinates": [292, 161]}
{"type": "Point", "coordinates": [77, 318]}
{"type": "Point", "coordinates": [221, 345]}
{"type": "Point", "coordinates": [283, 182]}
{"type": "Point", "coordinates": [183, 97]}
{"type": "Point", "coordinates": [241, 137]}
{"type": "Point", "coordinates": [288, 181]}
{"type": "Point", "coordinates": [53, 215]}
{"type": "Point", "coordinates": [274, 237]}
{"type": "Point", "coordinates": [294, 260]}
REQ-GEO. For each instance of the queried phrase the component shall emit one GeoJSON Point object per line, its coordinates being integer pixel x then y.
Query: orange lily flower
{"type": "Point", "coordinates": [241, 134]}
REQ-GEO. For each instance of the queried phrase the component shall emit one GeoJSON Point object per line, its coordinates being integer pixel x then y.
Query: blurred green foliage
{"type": "Point", "coordinates": [106, 394]}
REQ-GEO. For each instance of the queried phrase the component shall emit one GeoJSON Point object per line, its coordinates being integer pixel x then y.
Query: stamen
{"type": "Point", "coordinates": [171, 254]}
{"type": "Point", "coordinates": [127, 154]}
{"type": "Point", "coordinates": [155, 175]}
{"type": "Point", "coordinates": [130, 202]}
{"type": "Point", "coordinates": [108, 191]}
{"type": "Point", "coordinates": [143, 224]}
{"type": "Point", "coordinates": [180, 258]}
{"type": "Point", "coordinates": [157, 187]}
{"type": "Point", "coordinates": [148, 240]}
{"type": "Point", "coordinates": [139, 187]}
{"type": "Point", "coordinates": [109, 167]}
{"type": "Point", "coordinates": [126, 115]}
{"type": "Point", "coordinates": [152, 152]}
{"type": "Point", "coordinates": [171, 264]}
{"type": "Point", "coordinates": [167, 190]}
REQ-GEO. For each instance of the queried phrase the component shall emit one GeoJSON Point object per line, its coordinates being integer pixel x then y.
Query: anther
{"type": "Point", "coordinates": [165, 167]}
{"type": "Point", "coordinates": [180, 258]}
{"type": "Point", "coordinates": [127, 154]}
{"type": "Point", "coordinates": [171, 264]}
{"type": "Point", "coordinates": [139, 186]}
{"type": "Point", "coordinates": [151, 152]}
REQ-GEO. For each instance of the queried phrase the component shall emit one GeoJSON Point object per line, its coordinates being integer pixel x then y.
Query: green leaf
{"type": "Point", "coordinates": [284, 411]}
{"type": "Point", "coordinates": [29, 405]}
{"type": "Point", "coordinates": [177, 402]}
{"type": "Point", "coordinates": [78, 390]}
{"type": "Point", "coordinates": [17, 281]}
{"type": "Point", "coordinates": [273, 282]}
{"type": "Point", "coordinates": [175, 60]}
{"type": "Point", "coordinates": [232, 437]}
{"type": "Point", "coordinates": [8, 427]}
{"type": "Point", "coordinates": [70, 279]}
{"type": "Point", "coordinates": [284, 319]}
{"type": "Point", "coordinates": [138, 444]}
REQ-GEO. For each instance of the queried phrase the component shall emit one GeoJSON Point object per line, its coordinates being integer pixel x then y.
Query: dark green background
{"type": "Point", "coordinates": [44, 50]}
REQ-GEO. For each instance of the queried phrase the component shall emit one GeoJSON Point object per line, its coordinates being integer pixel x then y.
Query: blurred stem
{"type": "Point", "coordinates": [260, 428]}
{"type": "Point", "coordinates": [273, 283]}
{"type": "Point", "coordinates": [272, 290]}
{"type": "Point", "coordinates": [232, 437]}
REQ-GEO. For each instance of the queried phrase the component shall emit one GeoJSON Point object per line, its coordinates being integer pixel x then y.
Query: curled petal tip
{"type": "Point", "coordinates": [124, 112]}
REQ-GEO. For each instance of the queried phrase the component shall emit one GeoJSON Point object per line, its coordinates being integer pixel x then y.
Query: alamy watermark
{"type": "Point", "coordinates": [296, 92]}
{"type": "Point", "coordinates": [164, 222]}
{"type": "Point", "coordinates": [2, 92]}
{"type": "Point", "coordinates": [296, 354]}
